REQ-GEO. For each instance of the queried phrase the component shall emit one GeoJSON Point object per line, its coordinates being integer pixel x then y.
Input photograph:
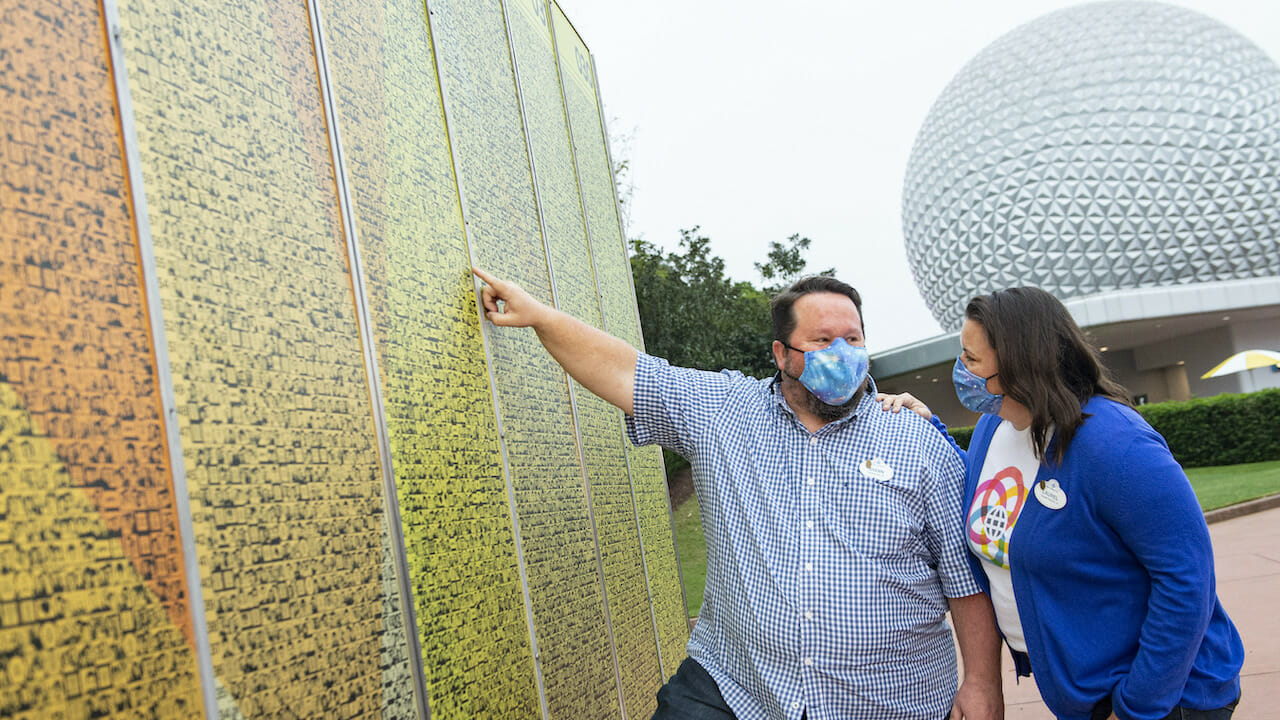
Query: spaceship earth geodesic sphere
{"type": "Point", "coordinates": [1107, 146]}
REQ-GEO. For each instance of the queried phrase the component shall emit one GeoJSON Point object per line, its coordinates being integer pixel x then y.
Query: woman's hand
{"type": "Point", "coordinates": [895, 403]}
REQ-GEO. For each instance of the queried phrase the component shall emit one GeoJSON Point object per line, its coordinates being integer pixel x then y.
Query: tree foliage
{"type": "Point", "coordinates": [695, 316]}
{"type": "Point", "coordinates": [786, 264]}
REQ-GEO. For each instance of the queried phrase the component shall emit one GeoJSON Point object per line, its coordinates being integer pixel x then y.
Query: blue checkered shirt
{"type": "Point", "coordinates": [828, 554]}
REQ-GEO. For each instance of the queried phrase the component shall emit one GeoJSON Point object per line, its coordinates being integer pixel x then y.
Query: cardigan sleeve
{"type": "Point", "coordinates": [942, 428]}
{"type": "Point", "coordinates": [1149, 503]}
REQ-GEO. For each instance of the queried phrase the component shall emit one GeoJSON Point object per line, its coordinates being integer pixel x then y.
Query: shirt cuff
{"type": "Point", "coordinates": [637, 424]}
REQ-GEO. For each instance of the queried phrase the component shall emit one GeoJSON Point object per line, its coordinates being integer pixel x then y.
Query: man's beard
{"type": "Point", "coordinates": [823, 411]}
{"type": "Point", "coordinates": [830, 413]}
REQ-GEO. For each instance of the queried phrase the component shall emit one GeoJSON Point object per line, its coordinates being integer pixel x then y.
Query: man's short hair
{"type": "Point", "coordinates": [781, 308]}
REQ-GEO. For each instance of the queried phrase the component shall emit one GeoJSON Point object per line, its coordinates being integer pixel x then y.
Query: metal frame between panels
{"type": "Point", "coordinates": [164, 375]}
{"type": "Point", "coordinates": [488, 357]}
{"type": "Point", "coordinates": [604, 322]}
{"type": "Point", "coordinates": [365, 322]}
{"type": "Point", "coordinates": [555, 299]}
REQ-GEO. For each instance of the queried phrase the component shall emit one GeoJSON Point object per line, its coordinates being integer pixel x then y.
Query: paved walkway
{"type": "Point", "coordinates": [1247, 550]}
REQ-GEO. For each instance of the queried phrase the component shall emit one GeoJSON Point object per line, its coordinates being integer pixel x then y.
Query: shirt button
{"type": "Point", "coordinates": [808, 524]}
{"type": "Point", "coordinates": [808, 615]}
{"type": "Point", "coordinates": [808, 661]}
{"type": "Point", "coordinates": [795, 705]}
{"type": "Point", "coordinates": [808, 566]}
{"type": "Point", "coordinates": [811, 481]}
{"type": "Point", "coordinates": [813, 441]}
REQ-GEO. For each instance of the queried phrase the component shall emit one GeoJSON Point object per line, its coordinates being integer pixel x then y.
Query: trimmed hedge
{"type": "Point", "coordinates": [962, 435]}
{"type": "Point", "coordinates": [1226, 429]}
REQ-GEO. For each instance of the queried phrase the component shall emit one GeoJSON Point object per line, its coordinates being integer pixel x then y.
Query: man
{"type": "Point", "coordinates": [834, 535]}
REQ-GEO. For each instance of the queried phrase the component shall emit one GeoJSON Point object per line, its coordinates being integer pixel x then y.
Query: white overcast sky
{"type": "Point", "coordinates": [756, 120]}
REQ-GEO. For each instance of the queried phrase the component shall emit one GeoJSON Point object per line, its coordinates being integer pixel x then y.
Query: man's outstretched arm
{"type": "Point", "coordinates": [604, 364]}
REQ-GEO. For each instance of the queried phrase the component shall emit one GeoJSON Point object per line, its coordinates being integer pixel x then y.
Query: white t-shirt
{"type": "Point", "coordinates": [1007, 475]}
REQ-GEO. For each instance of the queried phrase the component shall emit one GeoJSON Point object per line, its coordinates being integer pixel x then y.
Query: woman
{"type": "Point", "coordinates": [1082, 527]}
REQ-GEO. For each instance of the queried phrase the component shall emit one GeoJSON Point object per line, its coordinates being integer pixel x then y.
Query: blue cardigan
{"type": "Point", "coordinates": [1116, 590]}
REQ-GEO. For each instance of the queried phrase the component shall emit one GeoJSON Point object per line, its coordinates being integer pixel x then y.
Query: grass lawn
{"type": "Point", "coordinates": [1215, 487]}
{"type": "Point", "coordinates": [1231, 484]}
{"type": "Point", "coordinates": [693, 553]}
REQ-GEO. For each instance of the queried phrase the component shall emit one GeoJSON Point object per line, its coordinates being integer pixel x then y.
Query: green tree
{"type": "Point", "coordinates": [695, 316]}
{"type": "Point", "coordinates": [786, 264]}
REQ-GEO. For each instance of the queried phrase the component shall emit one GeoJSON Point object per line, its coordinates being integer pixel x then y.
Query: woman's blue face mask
{"type": "Point", "coordinates": [972, 390]}
{"type": "Point", "coordinates": [834, 373]}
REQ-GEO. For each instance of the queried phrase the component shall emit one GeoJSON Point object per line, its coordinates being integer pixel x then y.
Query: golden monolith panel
{"type": "Point", "coordinates": [533, 399]}
{"type": "Point", "coordinates": [81, 633]}
{"type": "Point", "coordinates": [653, 506]}
{"type": "Point", "coordinates": [618, 307]}
{"type": "Point", "coordinates": [476, 649]}
{"type": "Point", "coordinates": [398, 670]}
{"type": "Point", "coordinates": [94, 615]}
{"type": "Point", "coordinates": [272, 402]}
{"type": "Point", "coordinates": [599, 423]}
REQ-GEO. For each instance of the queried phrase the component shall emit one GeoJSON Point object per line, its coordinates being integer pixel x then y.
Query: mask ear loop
{"type": "Point", "coordinates": [783, 370]}
{"type": "Point", "coordinates": [985, 380]}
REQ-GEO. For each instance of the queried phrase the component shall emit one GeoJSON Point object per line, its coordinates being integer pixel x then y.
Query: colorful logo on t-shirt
{"type": "Point", "coordinates": [993, 514]}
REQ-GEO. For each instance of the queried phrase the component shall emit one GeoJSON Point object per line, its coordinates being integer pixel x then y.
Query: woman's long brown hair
{"type": "Point", "coordinates": [1046, 362]}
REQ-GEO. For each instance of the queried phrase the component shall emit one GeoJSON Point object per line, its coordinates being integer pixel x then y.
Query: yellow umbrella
{"type": "Point", "coordinates": [1241, 361]}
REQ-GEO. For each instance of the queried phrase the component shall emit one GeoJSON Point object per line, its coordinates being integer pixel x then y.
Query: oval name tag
{"type": "Point", "coordinates": [1051, 495]}
{"type": "Point", "coordinates": [877, 469]}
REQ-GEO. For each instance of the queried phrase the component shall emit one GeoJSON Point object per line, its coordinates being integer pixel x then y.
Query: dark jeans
{"type": "Point", "coordinates": [691, 694]}
{"type": "Point", "coordinates": [1102, 711]}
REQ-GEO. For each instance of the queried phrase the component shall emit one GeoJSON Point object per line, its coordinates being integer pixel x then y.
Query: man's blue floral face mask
{"type": "Point", "coordinates": [834, 373]}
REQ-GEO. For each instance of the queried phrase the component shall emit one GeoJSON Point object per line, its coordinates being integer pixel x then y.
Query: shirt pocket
{"type": "Point", "coordinates": [876, 517]}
